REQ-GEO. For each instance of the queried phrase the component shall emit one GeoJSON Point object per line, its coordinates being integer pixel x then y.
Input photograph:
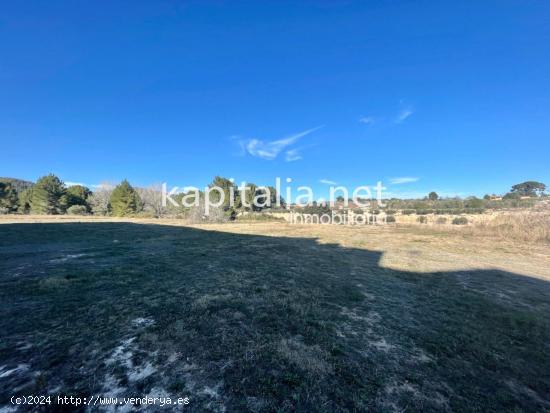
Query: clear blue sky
{"type": "Point", "coordinates": [452, 96]}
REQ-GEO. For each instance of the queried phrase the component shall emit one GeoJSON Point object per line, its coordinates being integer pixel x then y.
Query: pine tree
{"type": "Point", "coordinates": [77, 195]}
{"type": "Point", "coordinates": [25, 201]}
{"type": "Point", "coordinates": [8, 198]}
{"type": "Point", "coordinates": [48, 196]}
{"type": "Point", "coordinates": [124, 200]}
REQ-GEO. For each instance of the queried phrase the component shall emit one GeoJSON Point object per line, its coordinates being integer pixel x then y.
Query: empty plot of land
{"type": "Point", "coordinates": [274, 317]}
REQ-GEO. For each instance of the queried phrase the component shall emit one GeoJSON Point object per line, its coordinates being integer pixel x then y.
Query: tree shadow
{"type": "Point", "coordinates": [255, 323]}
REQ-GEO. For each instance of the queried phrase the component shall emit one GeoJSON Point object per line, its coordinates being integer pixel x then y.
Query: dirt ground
{"type": "Point", "coordinates": [269, 316]}
{"type": "Point", "coordinates": [405, 247]}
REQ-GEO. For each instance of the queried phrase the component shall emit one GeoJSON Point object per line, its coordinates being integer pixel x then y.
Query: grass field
{"type": "Point", "coordinates": [274, 317]}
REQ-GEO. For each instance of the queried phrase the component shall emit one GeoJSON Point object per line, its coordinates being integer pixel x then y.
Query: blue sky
{"type": "Point", "coordinates": [430, 95]}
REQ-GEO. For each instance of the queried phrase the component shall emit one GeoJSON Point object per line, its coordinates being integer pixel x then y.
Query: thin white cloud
{"type": "Point", "coordinates": [240, 143]}
{"type": "Point", "coordinates": [271, 149]}
{"type": "Point", "coordinates": [292, 155]}
{"type": "Point", "coordinates": [404, 114]}
{"type": "Point", "coordinates": [328, 182]}
{"type": "Point", "coordinates": [367, 120]}
{"type": "Point", "coordinates": [70, 183]}
{"type": "Point", "coordinates": [403, 180]}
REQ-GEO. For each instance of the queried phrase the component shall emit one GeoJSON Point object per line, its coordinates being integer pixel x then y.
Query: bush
{"type": "Point", "coordinates": [390, 211]}
{"type": "Point", "coordinates": [424, 211]}
{"type": "Point", "coordinates": [318, 210]}
{"type": "Point", "coordinates": [77, 210]}
{"type": "Point", "coordinates": [441, 220]}
{"type": "Point", "coordinates": [474, 210]}
{"type": "Point", "coordinates": [473, 202]}
{"type": "Point", "coordinates": [408, 211]}
{"type": "Point", "coordinates": [258, 216]}
{"type": "Point", "coordinates": [422, 219]}
{"type": "Point", "coordinates": [390, 218]}
{"type": "Point", "coordinates": [460, 221]}
{"type": "Point", "coordinates": [144, 214]}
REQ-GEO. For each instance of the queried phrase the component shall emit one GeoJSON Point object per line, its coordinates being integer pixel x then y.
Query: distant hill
{"type": "Point", "coordinates": [18, 184]}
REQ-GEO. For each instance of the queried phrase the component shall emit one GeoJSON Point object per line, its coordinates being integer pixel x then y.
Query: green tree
{"type": "Point", "coordinates": [512, 195]}
{"type": "Point", "coordinates": [432, 196]}
{"type": "Point", "coordinates": [274, 197]}
{"type": "Point", "coordinates": [247, 197]}
{"type": "Point", "coordinates": [48, 196]}
{"type": "Point", "coordinates": [8, 198]}
{"type": "Point", "coordinates": [77, 195]}
{"type": "Point", "coordinates": [231, 199]}
{"type": "Point", "coordinates": [25, 201]}
{"type": "Point", "coordinates": [529, 188]}
{"type": "Point", "coordinates": [124, 200]}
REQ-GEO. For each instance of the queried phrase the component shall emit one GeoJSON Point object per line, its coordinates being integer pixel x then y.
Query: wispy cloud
{"type": "Point", "coordinates": [70, 183]}
{"type": "Point", "coordinates": [367, 120]}
{"type": "Point", "coordinates": [328, 182]}
{"type": "Point", "coordinates": [403, 180]}
{"type": "Point", "coordinates": [292, 155]}
{"type": "Point", "coordinates": [404, 114]}
{"type": "Point", "coordinates": [270, 150]}
{"type": "Point", "coordinates": [240, 145]}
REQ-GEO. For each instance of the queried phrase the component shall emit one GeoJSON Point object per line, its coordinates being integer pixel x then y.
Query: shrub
{"type": "Point", "coordinates": [422, 219]}
{"type": "Point", "coordinates": [144, 214]}
{"type": "Point", "coordinates": [408, 211]}
{"type": "Point", "coordinates": [473, 202]}
{"type": "Point", "coordinates": [77, 210]}
{"type": "Point", "coordinates": [318, 209]}
{"type": "Point", "coordinates": [390, 218]}
{"type": "Point", "coordinates": [258, 216]}
{"type": "Point", "coordinates": [197, 214]}
{"type": "Point", "coordinates": [460, 221]}
{"type": "Point", "coordinates": [441, 220]}
{"type": "Point", "coordinates": [474, 210]}
{"type": "Point", "coordinates": [424, 211]}
{"type": "Point", "coordinates": [390, 211]}
{"type": "Point", "coordinates": [456, 211]}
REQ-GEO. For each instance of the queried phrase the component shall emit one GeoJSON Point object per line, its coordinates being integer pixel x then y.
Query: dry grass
{"type": "Point", "coordinates": [526, 226]}
{"type": "Point", "coordinates": [269, 316]}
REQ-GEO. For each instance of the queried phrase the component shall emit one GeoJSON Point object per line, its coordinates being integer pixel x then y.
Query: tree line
{"type": "Point", "coordinates": [50, 196]}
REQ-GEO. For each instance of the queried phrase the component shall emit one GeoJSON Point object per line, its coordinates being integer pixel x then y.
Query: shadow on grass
{"type": "Point", "coordinates": [253, 323]}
